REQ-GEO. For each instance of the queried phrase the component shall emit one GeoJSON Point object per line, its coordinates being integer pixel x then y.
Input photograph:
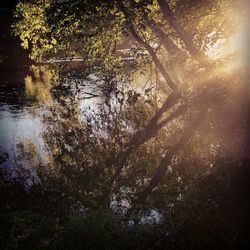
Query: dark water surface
{"type": "Point", "coordinates": [22, 97]}
{"type": "Point", "coordinates": [16, 122]}
{"type": "Point", "coordinates": [27, 91]}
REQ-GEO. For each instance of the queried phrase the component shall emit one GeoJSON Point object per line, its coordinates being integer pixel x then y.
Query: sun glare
{"type": "Point", "coordinates": [230, 50]}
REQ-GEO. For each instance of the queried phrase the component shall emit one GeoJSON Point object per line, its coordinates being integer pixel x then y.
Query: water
{"type": "Point", "coordinates": [25, 94]}
{"type": "Point", "coordinates": [29, 91]}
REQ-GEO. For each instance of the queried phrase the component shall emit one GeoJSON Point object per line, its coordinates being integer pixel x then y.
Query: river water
{"type": "Point", "coordinates": [26, 92]}
{"type": "Point", "coordinates": [29, 91]}
{"type": "Point", "coordinates": [16, 122]}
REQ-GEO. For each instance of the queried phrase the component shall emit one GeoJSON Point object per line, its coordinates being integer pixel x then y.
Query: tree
{"type": "Point", "coordinates": [177, 145]}
{"type": "Point", "coordinates": [95, 29]}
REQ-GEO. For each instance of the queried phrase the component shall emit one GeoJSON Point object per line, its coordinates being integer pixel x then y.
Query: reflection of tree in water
{"type": "Point", "coordinates": [39, 84]}
{"type": "Point", "coordinates": [172, 156]}
{"type": "Point", "coordinates": [183, 169]}
{"type": "Point", "coordinates": [135, 145]}
{"type": "Point", "coordinates": [114, 151]}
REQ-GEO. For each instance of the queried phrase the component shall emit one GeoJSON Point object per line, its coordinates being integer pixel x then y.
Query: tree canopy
{"type": "Point", "coordinates": [158, 138]}
{"type": "Point", "coordinates": [178, 38]}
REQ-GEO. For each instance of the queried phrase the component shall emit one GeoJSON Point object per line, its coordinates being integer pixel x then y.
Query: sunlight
{"type": "Point", "coordinates": [228, 46]}
{"type": "Point", "coordinates": [230, 50]}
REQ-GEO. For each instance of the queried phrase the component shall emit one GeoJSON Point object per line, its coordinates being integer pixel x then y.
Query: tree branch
{"type": "Point", "coordinates": [154, 57]}
{"type": "Point", "coordinates": [170, 18]}
{"type": "Point", "coordinates": [167, 43]}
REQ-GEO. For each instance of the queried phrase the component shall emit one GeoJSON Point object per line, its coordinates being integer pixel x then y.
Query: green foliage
{"type": "Point", "coordinates": [33, 30]}
{"type": "Point", "coordinates": [195, 187]}
{"type": "Point", "coordinates": [94, 29]}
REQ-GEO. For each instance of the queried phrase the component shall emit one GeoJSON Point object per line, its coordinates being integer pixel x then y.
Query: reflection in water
{"type": "Point", "coordinates": [18, 128]}
{"type": "Point", "coordinates": [20, 118]}
{"type": "Point", "coordinates": [24, 110]}
{"type": "Point", "coordinates": [40, 86]}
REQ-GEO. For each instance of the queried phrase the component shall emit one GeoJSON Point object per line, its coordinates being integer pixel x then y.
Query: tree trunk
{"type": "Point", "coordinates": [188, 42]}
{"type": "Point", "coordinates": [154, 57]}
{"type": "Point", "coordinates": [167, 43]}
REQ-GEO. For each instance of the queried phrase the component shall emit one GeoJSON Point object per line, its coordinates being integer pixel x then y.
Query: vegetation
{"type": "Point", "coordinates": [169, 137]}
